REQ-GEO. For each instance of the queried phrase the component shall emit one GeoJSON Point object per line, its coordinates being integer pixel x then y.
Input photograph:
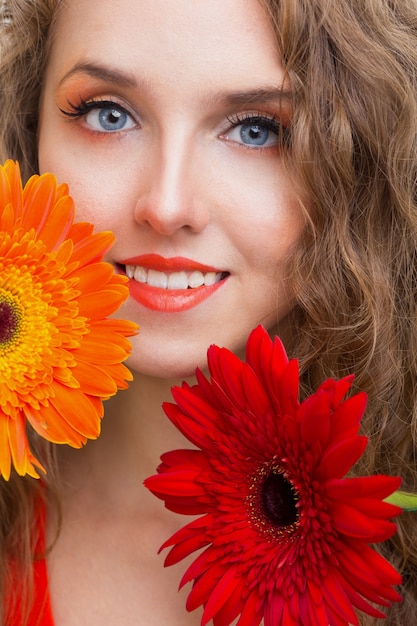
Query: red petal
{"type": "Point", "coordinates": [375, 509]}
{"type": "Point", "coordinates": [226, 370]}
{"type": "Point", "coordinates": [181, 550]}
{"type": "Point", "coordinates": [337, 598]}
{"type": "Point", "coordinates": [338, 459]}
{"type": "Point", "coordinates": [274, 610]}
{"type": "Point", "coordinates": [194, 417]}
{"type": "Point", "coordinates": [175, 483]}
{"type": "Point", "coordinates": [362, 487]}
{"type": "Point", "coordinates": [230, 610]}
{"type": "Point", "coordinates": [252, 612]}
{"type": "Point", "coordinates": [340, 389]}
{"type": "Point", "coordinates": [314, 419]}
{"type": "Point", "coordinates": [256, 399]}
{"type": "Point", "coordinates": [287, 391]}
{"type": "Point", "coordinates": [198, 566]}
{"type": "Point", "coordinates": [226, 586]}
{"type": "Point", "coordinates": [279, 614]}
{"type": "Point", "coordinates": [351, 522]}
{"type": "Point", "coordinates": [354, 570]}
{"type": "Point", "coordinates": [347, 417]}
{"type": "Point", "coordinates": [267, 359]}
{"type": "Point", "coordinates": [181, 459]}
{"type": "Point", "coordinates": [203, 587]}
{"type": "Point", "coordinates": [359, 601]}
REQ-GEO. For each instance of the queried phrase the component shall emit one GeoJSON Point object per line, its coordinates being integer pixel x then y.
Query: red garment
{"type": "Point", "coordinates": [41, 612]}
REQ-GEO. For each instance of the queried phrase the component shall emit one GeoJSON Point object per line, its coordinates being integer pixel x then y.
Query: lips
{"type": "Point", "coordinates": [171, 285]}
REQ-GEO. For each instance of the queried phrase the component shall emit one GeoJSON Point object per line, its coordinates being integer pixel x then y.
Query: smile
{"type": "Point", "coordinates": [172, 280]}
{"type": "Point", "coordinates": [171, 285]}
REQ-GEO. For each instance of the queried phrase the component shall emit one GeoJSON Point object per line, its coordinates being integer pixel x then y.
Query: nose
{"type": "Point", "coordinates": [172, 195]}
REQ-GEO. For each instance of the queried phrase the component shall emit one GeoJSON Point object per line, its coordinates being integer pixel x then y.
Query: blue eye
{"type": "Point", "coordinates": [254, 134]}
{"type": "Point", "coordinates": [102, 116]}
{"type": "Point", "coordinates": [254, 131]}
{"type": "Point", "coordinates": [109, 118]}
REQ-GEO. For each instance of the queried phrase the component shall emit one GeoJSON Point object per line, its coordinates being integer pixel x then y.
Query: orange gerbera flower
{"type": "Point", "coordinates": [60, 355]}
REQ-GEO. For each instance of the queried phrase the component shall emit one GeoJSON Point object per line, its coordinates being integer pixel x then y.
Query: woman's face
{"type": "Point", "coordinates": [163, 117]}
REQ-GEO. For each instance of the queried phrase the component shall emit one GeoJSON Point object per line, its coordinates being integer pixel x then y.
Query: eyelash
{"type": "Point", "coordinates": [83, 107]}
{"type": "Point", "coordinates": [271, 123]}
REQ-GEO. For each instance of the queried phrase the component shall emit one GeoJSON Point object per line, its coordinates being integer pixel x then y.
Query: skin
{"type": "Point", "coordinates": [178, 179]}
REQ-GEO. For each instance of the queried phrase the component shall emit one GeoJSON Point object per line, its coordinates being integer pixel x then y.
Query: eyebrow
{"type": "Point", "coordinates": [261, 95]}
{"type": "Point", "coordinates": [233, 98]}
{"type": "Point", "coordinates": [106, 74]}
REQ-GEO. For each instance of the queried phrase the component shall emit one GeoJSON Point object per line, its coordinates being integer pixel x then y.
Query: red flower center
{"type": "Point", "coordinates": [10, 320]}
{"type": "Point", "coordinates": [272, 502]}
{"type": "Point", "coordinates": [278, 501]}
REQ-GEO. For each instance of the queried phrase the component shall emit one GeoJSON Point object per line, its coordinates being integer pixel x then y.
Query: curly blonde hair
{"type": "Point", "coordinates": [353, 69]}
{"type": "Point", "coordinates": [352, 66]}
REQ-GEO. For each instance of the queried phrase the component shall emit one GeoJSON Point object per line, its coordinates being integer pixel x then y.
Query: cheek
{"type": "Point", "coordinates": [100, 196]}
{"type": "Point", "coordinates": [99, 181]}
{"type": "Point", "coordinates": [264, 216]}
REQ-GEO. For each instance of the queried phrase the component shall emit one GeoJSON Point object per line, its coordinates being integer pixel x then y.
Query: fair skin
{"type": "Point", "coordinates": [163, 119]}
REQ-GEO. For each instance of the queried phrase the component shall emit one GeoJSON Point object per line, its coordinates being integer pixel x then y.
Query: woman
{"type": "Point", "coordinates": [265, 150]}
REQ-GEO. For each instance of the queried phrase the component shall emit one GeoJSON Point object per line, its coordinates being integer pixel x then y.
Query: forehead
{"type": "Point", "coordinates": [167, 40]}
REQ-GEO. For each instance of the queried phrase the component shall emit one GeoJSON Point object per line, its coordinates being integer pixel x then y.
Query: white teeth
{"type": "Point", "coordinates": [157, 279]}
{"type": "Point", "coordinates": [140, 274]}
{"type": "Point", "coordinates": [178, 280]}
{"type": "Point", "coordinates": [174, 280]}
{"type": "Point", "coordinates": [211, 278]}
{"type": "Point", "coordinates": [130, 271]}
{"type": "Point", "coordinates": [196, 280]}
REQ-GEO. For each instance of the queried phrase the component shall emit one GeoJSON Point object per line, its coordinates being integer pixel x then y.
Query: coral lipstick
{"type": "Point", "coordinates": [157, 262]}
{"type": "Point", "coordinates": [171, 285]}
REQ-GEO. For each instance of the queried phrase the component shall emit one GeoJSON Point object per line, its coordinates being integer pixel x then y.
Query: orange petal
{"type": "Point", "coordinates": [39, 196]}
{"type": "Point", "coordinates": [55, 229]}
{"type": "Point", "coordinates": [7, 218]}
{"type": "Point", "coordinates": [116, 326]}
{"type": "Point", "coordinates": [80, 231]}
{"type": "Point", "coordinates": [94, 380]}
{"type": "Point", "coordinates": [100, 348]}
{"type": "Point", "coordinates": [75, 408]}
{"type": "Point", "coordinates": [93, 248]}
{"type": "Point", "coordinates": [110, 301]}
{"type": "Point", "coordinates": [5, 455]}
{"type": "Point", "coordinates": [50, 425]}
{"type": "Point", "coordinates": [11, 187]}
{"type": "Point", "coordinates": [93, 275]}
{"type": "Point", "coordinates": [23, 460]}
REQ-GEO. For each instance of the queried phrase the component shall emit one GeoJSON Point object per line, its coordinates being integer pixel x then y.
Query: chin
{"type": "Point", "coordinates": [173, 369]}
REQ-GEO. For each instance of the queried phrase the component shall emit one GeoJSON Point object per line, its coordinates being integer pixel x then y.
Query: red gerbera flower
{"type": "Point", "coordinates": [286, 534]}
